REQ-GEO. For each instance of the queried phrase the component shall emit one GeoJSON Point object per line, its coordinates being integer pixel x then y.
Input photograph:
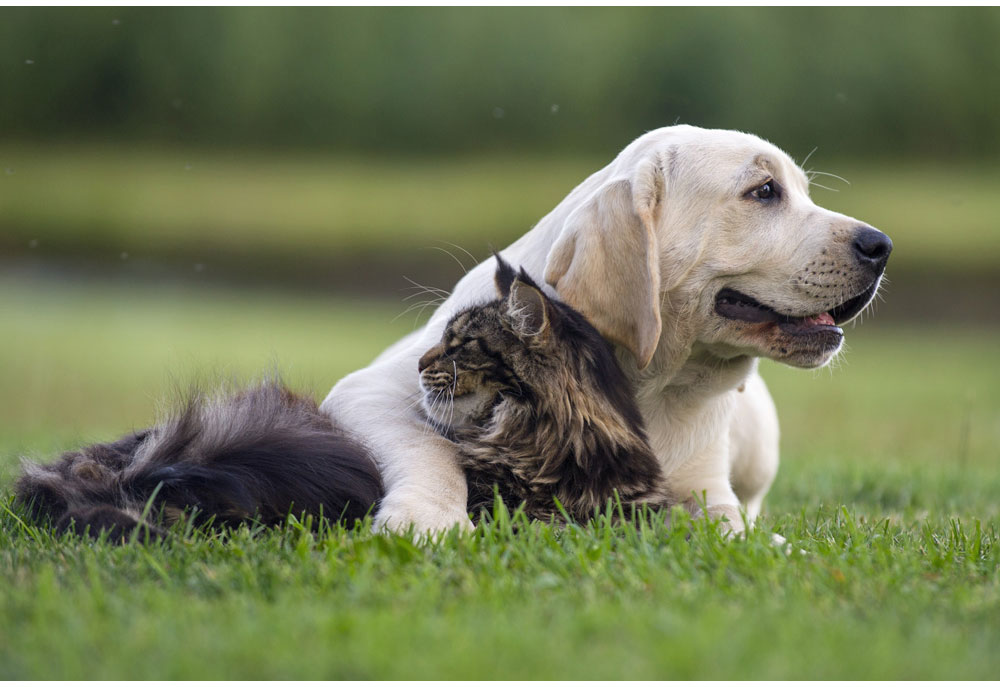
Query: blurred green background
{"type": "Point", "coordinates": [188, 192]}
{"type": "Point", "coordinates": [868, 82]}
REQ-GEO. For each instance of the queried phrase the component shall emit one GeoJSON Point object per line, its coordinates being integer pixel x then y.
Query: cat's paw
{"type": "Point", "coordinates": [410, 510]}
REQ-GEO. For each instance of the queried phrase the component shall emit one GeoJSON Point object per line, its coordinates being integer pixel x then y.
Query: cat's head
{"type": "Point", "coordinates": [523, 345]}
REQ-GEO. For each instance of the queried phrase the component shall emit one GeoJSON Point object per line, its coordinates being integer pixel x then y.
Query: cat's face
{"type": "Point", "coordinates": [486, 352]}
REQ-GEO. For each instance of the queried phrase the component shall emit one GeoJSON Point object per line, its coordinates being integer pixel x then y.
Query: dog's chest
{"type": "Point", "coordinates": [684, 425]}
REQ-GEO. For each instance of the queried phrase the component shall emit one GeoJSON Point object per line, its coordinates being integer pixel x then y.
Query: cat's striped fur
{"type": "Point", "coordinates": [538, 406]}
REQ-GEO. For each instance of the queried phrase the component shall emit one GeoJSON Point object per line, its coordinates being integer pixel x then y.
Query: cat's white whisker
{"type": "Point", "coordinates": [443, 397]}
{"type": "Point", "coordinates": [474, 259]}
{"type": "Point", "coordinates": [433, 290]}
{"type": "Point", "coordinates": [454, 386]}
{"type": "Point", "coordinates": [422, 305]}
{"type": "Point", "coordinates": [416, 397]}
{"type": "Point", "coordinates": [451, 255]}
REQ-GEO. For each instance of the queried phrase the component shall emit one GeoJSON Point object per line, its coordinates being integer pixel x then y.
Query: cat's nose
{"type": "Point", "coordinates": [427, 358]}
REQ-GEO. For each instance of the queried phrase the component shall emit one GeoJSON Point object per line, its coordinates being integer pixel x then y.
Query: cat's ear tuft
{"type": "Point", "coordinates": [504, 276]}
{"type": "Point", "coordinates": [523, 276]}
{"type": "Point", "coordinates": [527, 309]}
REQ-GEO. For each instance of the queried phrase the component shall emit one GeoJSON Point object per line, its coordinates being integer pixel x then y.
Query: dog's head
{"type": "Point", "coordinates": [695, 236]}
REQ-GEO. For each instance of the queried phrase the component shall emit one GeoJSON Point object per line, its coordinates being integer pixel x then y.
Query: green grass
{"type": "Point", "coordinates": [207, 207]}
{"type": "Point", "coordinates": [868, 600]}
{"type": "Point", "coordinates": [888, 483]}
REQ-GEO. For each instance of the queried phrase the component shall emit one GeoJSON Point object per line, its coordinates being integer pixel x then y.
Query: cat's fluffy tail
{"type": "Point", "coordinates": [258, 454]}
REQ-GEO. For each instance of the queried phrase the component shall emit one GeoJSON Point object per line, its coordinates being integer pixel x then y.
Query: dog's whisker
{"type": "Point", "coordinates": [828, 174]}
{"type": "Point", "coordinates": [803, 163]}
{"type": "Point", "coordinates": [813, 183]}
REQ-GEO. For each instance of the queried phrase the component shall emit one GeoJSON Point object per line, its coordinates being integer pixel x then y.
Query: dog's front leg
{"type": "Point", "coordinates": [431, 501]}
{"type": "Point", "coordinates": [424, 486]}
{"type": "Point", "coordinates": [702, 484]}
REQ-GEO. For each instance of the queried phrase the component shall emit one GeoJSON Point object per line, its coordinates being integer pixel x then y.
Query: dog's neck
{"type": "Point", "coordinates": [703, 374]}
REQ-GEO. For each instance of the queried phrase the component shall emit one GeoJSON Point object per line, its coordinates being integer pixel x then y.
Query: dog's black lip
{"type": "Point", "coordinates": [847, 310]}
{"type": "Point", "coordinates": [735, 305]}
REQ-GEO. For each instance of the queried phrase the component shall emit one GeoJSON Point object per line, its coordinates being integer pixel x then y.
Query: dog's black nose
{"type": "Point", "coordinates": [872, 247]}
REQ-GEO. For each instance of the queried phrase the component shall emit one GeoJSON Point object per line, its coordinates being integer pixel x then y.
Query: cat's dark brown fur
{"type": "Point", "coordinates": [538, 406]}
{"type": "Point", "coordinates": [257, 454]}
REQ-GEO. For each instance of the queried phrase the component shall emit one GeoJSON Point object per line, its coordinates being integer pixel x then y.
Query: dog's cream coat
{"type": "Point", "coordinates": [642, 248]}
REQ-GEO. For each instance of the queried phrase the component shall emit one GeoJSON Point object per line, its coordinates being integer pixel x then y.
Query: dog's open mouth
{"type": "Point", "coordinates": [733, 305]}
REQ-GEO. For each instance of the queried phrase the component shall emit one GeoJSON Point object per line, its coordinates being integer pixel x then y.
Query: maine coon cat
{"type": "Point", "coordinates": [256, 454]}
{"type": "Point", "coordinates": [538, 406]}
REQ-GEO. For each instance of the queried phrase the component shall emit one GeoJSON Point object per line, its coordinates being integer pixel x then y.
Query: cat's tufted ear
{"type": "Point", "coordinates": [504, 276]}
{"type": "Point", "coordinates": [605, 262]}
{"type": "Point", "coordinates": [526, 309]}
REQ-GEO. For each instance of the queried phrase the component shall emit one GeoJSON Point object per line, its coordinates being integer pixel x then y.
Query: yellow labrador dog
{"type": "Point", "coordinates": [696, 252]}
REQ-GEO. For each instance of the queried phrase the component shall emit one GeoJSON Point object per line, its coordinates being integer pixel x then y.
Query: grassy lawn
{"type": "Point", "coordinates": [211, 207]}
{"type": "Point", "coordinates": [889, 484]}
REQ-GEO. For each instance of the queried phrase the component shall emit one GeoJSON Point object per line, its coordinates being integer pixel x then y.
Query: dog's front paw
{"type": "Point", "coordinates": [729, 518]}
{"type": "Point", "coordinates": [408, 509]}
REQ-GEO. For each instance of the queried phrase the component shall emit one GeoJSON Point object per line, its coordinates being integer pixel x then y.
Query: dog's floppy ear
{"type": "Point", "coordinates": [605, 262]}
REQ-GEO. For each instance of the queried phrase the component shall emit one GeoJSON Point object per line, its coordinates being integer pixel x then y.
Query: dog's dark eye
{"type": "Point", "coordinates": [766, 191]}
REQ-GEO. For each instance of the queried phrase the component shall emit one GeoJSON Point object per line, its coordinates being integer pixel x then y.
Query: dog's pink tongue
{"type": "Point", "coordinates": [824, 318]}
